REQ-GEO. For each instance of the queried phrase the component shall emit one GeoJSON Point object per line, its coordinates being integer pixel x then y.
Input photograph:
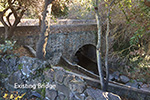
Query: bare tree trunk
{"type": "Point", "coordinates": [98, 51]}
{"type": "Point", "coordinates": [106, 54]}
{"type": "Point", "coordinates": [45, 29]}
{"type": "Point", "coordinates": [107, 46]}
{"type": "Point", "coordinates": [9, 31]}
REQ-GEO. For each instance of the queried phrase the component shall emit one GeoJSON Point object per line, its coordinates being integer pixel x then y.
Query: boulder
{"type": "Point", "coordinates": [63, 85]}
{"type": "Point", "coordinates": [134, 83]}
{"type": "Point", "coordinates": [97, 94]}
{"type": "Point", "coordinates": [51, 94]}
{"type": "Point", "coordinates": [124, 79]}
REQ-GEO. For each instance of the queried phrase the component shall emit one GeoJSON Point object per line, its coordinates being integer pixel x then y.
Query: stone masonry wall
{"type": "Point", "coordinates": [24, 35]}
{"type": "Point", "coordinates": [67, 44]}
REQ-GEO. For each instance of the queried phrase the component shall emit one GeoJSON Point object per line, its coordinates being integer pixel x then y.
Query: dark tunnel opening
{"type": "Point", "coordinates": [86, 57]}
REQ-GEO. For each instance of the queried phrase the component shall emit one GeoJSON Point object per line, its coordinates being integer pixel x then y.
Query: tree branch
{"type": "Point", "coordinates": [3, 22]}
{"type": "Point", "coordinates": [22, 12]}
{"type": "Point", "coordinates": [8, 18]}
{"type": "Point", "coordinates": [17, 20]}
{"type": "Point", "coordinates": [2, 15]}
{"type": "Point", "coordinates": [14, 12]}
{"type": "Point", "coordinates": [5, 9]}
{"type": "Point", "coordinates": [12, 9]}
{"type": "Point", "coordinates": [13, 2]}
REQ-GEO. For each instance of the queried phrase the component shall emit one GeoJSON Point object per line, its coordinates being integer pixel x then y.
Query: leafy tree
{"type": "Point", "coordinates": [15, 8]}
{"type": "Point", "coordinates": [60, 8]}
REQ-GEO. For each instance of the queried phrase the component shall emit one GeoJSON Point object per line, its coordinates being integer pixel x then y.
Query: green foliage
{"type": "Point", "coordinates": [20, 66]}
{"type": "Point", "coordinates": [2, 6]}
{"type": "Point", "coordinates": [8, 46]}
{"type": "Point", "coordinates": [60, 7]}
{"type": "Point", "coordinates": [43, 92]}
{"type": "Point", "coordinates": [81, 9]}
{"type": "Point", "coordinates": [3, 75]}
{"type": "Point", "coordinates": [135, 39]}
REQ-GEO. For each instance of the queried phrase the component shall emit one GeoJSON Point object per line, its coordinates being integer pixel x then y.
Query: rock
{"type": "Point", "coordinates": [124, 79]}
{"type": "Point", "coordinates": [60, 96]}
{"type": "Point", "coordinates": [12, 64]}
{"type": "Point", "coordinates": [147, 98]}
{"type": "Point", "coordinates": [29, 65]}
{"type": "Point", "coordinates": [46, 98]}
{"type": "Point", "coordinates": [111, 77]}
{"type": "Point", "coordinates": [15, 78]}
{"type": "Point", "coordinates": [116, 76]}
{"type": "Point", "coordinates": [2, 62]}
{"type": "Point", "coordinates": [79, 79]}
{"type": "Point", "coordinates": [133, 84]}
{"type": "Point", "coordinates": [35, 94]}
{"type": "Point", "coordinates": [145, 87]}
{"type": "Point", "coordinates": [35, 80]}
{"type": "Point", "coordinates": [73, 97]}
{"type": "Point", "coordinates": [1, 83]}
{"type": "Point", "coordinates": [8, 65]}
{"type": "Point", "coordinates": [68, 78]}
{"type": "Point", "coordinates": [89, 98]}
{"type": "Point", "coordinates": [49, 75]}
{"type": "Point", "coordinates": [140, 84]}
{"type": "Point", "coordinates": [3, 71]}
{"type": "Point", "coordinates": [97, 94]}
{"type": "Point", "coordinates": [77, 87]}
{"type": "Point", "coordinates": [80, 96]}
{"type": "Point", "coordinates": [116, 73]}
{"type": "Point", "coordinates": [59, 76]}
{"type": "Point", "coordinates": [51, 94]}
{"type": "Point", "coordinates": [62, 88]}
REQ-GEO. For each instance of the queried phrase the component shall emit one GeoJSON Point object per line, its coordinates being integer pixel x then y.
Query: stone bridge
{"type": "Point", "coordinates": [67, 40]}
{"type": "Point", "coordinates": [63, 40]}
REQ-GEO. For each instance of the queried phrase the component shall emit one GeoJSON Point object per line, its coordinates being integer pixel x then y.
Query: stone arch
{"type": "Point", "coordinates": [85, 56]}
{"type": "Point", "coordinates": [80, 46]}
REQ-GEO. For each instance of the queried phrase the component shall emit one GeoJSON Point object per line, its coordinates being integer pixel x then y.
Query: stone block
{"type": "Point", "coordinates": [68, 78]}
{"type": "Point", "coordinates": [51, 94]}
{"type": "Point", "coordinates": [59, 76]}
{"type": "Point", "coordinates": [60, 96]}
{"type": "Point", "coordinates": [77, 87]}
{"type": "Point", "coordinates": [49, 75]}
{"type": "Point", "coordinates": [124, 79]}
{"type": "Point", "coordinates": [97, 94]}
{"type": "Point", "coordinates": [62, 88]}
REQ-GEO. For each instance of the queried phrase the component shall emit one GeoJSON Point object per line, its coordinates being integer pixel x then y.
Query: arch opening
{"type": "Point", "coordinates": [86, 57]}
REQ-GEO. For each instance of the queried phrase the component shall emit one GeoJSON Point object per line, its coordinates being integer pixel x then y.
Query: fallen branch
{"type": "Point", "coordinates": [30, 49]}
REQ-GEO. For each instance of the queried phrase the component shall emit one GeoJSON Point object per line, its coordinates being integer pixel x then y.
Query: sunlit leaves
{"type": "Point", "coordinates": [60, 7]}
{"type": "Point", "coordinates": [7, 46]}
